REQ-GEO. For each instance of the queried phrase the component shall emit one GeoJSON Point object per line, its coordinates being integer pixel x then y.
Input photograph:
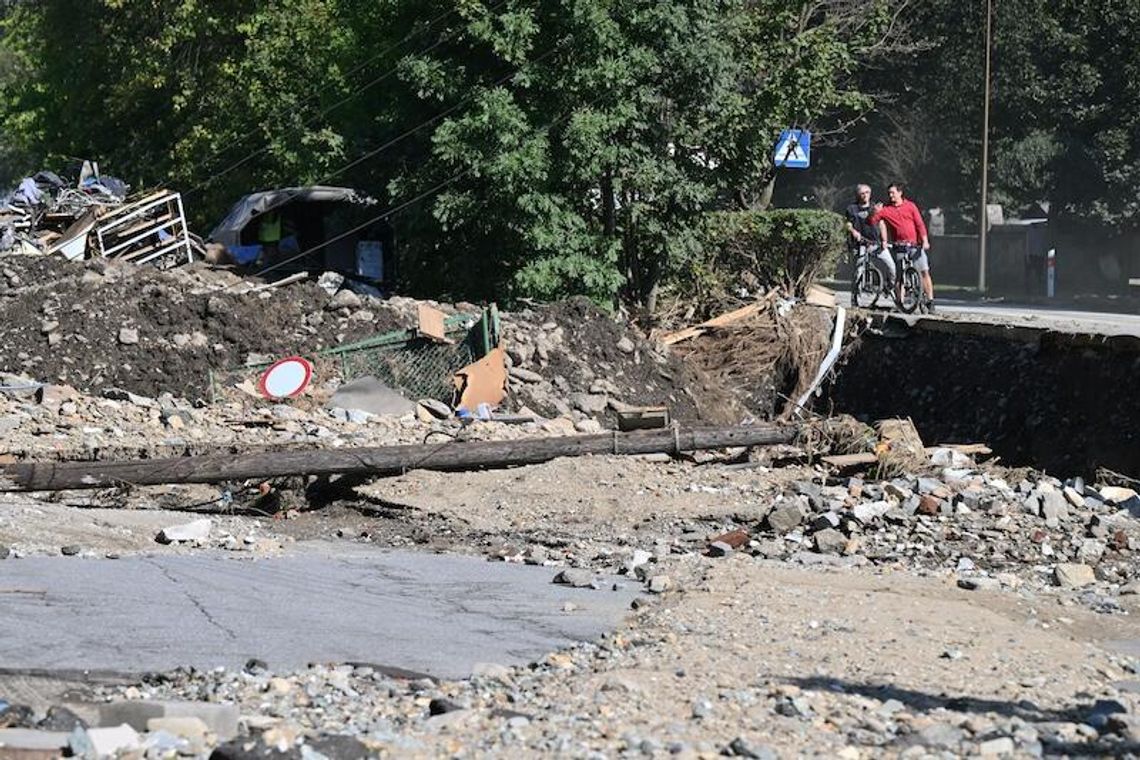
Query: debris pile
{"type": "Point", "coordinates": [100, 324]}
{"type": "Point", "coordinates": [570, 359]}
{"type": "Point", "coordinates": [95, 217]}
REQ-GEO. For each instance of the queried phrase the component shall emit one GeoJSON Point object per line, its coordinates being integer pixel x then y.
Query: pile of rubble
{"type": "Point", "coordinates": [570, 359]}
{"type": "Point", "coordinates": [100, 326]}
{"type": "Point", "coordinates": [94, 217]}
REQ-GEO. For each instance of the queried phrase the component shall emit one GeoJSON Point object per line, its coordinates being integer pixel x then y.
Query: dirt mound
{"type": "Point", "coordinates": [575, 358]}
{"type": "Point", "coordinates": [100, 325]}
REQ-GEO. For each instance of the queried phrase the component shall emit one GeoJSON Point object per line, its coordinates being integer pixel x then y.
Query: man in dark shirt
{"type": "Point", "coordinates": [863, 236]}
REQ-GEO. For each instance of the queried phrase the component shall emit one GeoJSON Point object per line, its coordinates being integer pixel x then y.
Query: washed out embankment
{"type": "Point", "coordinates": [1061, 402]}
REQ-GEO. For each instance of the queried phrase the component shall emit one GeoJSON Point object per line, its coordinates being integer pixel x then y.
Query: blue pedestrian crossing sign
{"type": "Point", "coordinates": [793, 149]}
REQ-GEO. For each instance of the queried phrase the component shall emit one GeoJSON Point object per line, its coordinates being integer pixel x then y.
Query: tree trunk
{"type": "Point", "coordinates": [385, 460]}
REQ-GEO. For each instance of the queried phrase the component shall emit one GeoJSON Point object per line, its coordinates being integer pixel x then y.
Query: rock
{"type": "Point", "coordinates": [945, 457]}
{"type": "Point", "coordinates": [22, 742]}
{"type": "Point", "coordinates": [344, 299]}
{"type": "Point", "coordinates": [576, 578]}
{"type": "Point", "coordinates": [719, 549]}
{"type": "Point", "coordinates": [559, 426]}
{"type": "Point", "coordinates": [659, 584]}
{"type": "Point", "coordinates": [61, 719]}
{"type": "Point", "coordinates": [492, 670]}
{"type": "Point", "coordinates": [70, 550]}
{"type": "Point", "coordinates": [979, 584]}
{"type": "Point", "coordinates": [588, 403]}
{"type": "Point", "coordinates": [1116, 494]}
{"type": "Point", "coordinates": [1074, 497]}
{"type": "Point", "coordinates": [118, 394]}
{"type": "Point", "coordinates": [1054, 507]}
{"type": "Point", "coordinates": [941, 736]}
{"type": "Point", "coordinates": [928, 505]}
{"type": "Point", "coordinates": [191, 728]}
{"type": "Point", "coordinates": [1073, 575]}
{"type": "Point", "coordinates": [440, 705]}
{"type": "Point", "coordinates": [525, 375]}
{"type": "Point", "coordinates": [741, 747]}
{"type": "Point", "coordinates": [639, 558]}
{"type": "Point", "coordinates": [198, 530]}
{"type": "Point", "coordinates": [996, 747]}
{"type": "Point", "coordinates": [830, 541]}
{"type": "Point", "coordinates": [128, 336]}
{"type": "Point", "coordinates": [625, 345]}
{"type": "Point", "coordinates": [221, 718]}
{"type": "Point", "coordinates": [1091, 551]}
{"type": "Point", "coordinates": [54, 396]}
{"type": "Point", "coordinates": [15, 716]}
{"type": "Point", "coordinates": [588, 426]}
{"type": "Point", "coordinates": [1130, 589]}
{"type": "Point", "coordinates": [436, 408]}
{"type": "Point", "coordinates": [104, 742]}
{"type": "Point", "coordinates": [787, 514]}
{"type": "Point", "coordinates": [339, 746]}
{"type": "Point", "coordinates": [889, 708]}
{"type": "Point", "coordinates": [869, 512]}
{"type": "Point", "coordinates": [253, 749]}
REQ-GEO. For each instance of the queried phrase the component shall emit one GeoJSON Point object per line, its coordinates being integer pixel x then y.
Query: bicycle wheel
{"type": "Point", "coordinates": [911, 290]}
{"type": "Point", "coordinates": [867, 288]}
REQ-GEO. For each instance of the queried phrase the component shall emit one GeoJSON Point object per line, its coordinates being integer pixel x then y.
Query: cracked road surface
{"type": "Point", "coordinates": [432, 614]}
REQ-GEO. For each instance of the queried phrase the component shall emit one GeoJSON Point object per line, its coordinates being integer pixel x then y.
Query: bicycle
{"type": "Point", "coordinates": [908, 283]}
{"type": "Point", "coordinates": [867, 282]}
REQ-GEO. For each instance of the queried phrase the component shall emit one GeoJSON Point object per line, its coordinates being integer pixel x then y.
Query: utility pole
{"type": "Point", "coordinates": [983, 223]}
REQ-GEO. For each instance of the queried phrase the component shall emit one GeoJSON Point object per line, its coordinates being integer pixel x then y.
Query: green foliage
{"type": "Point", "coordinates": [1064, 119]}
{"type": "Point", "coordinates": [782, 248]}
{"type": "Point", "coordinates": [537, 148]}
{"type": "Point", "coordinates": [622, 124]}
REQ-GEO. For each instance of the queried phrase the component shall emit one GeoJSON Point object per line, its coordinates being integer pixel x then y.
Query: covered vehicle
{"type": "Point", "coordinates": [316, 228]}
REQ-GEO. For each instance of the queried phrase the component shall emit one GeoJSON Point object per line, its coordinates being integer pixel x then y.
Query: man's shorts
{"type": "Point", "coordinates": [921, 262]}
{"type": "Point", "coordinates": [918, 258]}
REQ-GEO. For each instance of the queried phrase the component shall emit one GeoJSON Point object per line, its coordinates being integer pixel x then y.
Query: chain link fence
{"type": "Point", "coordinates": [414, 365]}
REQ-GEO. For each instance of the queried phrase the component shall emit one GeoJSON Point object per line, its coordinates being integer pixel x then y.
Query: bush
{"type": "Point", "coordinates": [781, 248]}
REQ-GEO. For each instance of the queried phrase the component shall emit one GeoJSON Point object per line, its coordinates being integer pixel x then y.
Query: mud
{"type": "Point", "coordinates": [1058, 402]}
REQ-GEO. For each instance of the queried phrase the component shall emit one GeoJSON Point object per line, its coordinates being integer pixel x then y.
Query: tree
{"type": "Point", "coordinates": [601, 130]}
{"type": "Point", "coordinates": [532, 148]}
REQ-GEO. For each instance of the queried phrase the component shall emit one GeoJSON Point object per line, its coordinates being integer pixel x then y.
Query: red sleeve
{"type": "Point", "coordinates": [919, 225]}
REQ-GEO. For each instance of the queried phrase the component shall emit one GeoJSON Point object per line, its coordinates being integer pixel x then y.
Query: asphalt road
{"type": "Point", "coordinates": [1054, 318]}
{"type": "Point", "coordinates": [433, 614]}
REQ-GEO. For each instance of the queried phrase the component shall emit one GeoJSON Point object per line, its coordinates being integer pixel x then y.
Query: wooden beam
{"type": "Point", "coordinates": [724, 319]}
{"type": "Point", "coordinates": [385, 460]}
{"type": "Point", "coordinates": [867, 457]}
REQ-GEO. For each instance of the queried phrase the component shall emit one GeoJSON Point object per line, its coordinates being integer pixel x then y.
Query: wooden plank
{"type": "Point", "coordinates": [868, 457]}
{"type": "Point", "coordinates": [430, 324]}
{"type": "Point", "coordinates": [643, 418]}
{"type": "Point", "coordinates": [818, 295]}
{"type": "Point", "coordinates": [724, 319]}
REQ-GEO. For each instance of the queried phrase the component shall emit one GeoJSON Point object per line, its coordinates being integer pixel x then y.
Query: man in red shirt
{"type": "Point", "coordinates": [901, 222]}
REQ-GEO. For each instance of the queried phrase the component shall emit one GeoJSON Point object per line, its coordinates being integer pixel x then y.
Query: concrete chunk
{"type": "Point", "coordinates": [1073, 575]}
{"type": "Point", "coordinates": [785, 516]}
{"type": "Point", "coordinates": [221, 719]}
{"type": "Point", "coordinates": [33, 739]}
{"type": "Point", "coordinates": [104, 742]}
{"type": "Point", "coordinates": [198, 530]}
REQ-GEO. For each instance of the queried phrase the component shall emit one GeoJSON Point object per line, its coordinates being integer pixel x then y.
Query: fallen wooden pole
{"type": "Point", "coordinates": [386, 460]}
